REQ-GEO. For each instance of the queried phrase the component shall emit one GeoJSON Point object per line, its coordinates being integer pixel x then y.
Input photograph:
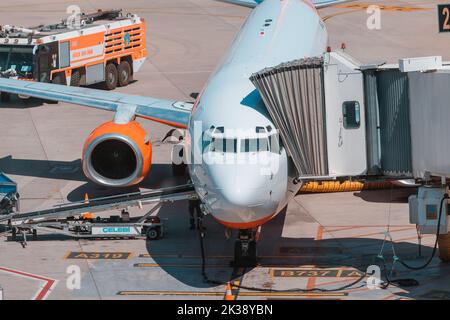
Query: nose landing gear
{"type": "Point", "coordinates": [245, 254]}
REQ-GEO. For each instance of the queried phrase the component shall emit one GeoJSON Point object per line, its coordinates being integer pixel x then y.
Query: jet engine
{"type": "Point", "coordinates": [117, 155]}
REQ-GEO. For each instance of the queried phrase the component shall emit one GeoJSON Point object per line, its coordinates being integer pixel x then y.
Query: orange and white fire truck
{"type": "Point", "coordinates": [107, 47]}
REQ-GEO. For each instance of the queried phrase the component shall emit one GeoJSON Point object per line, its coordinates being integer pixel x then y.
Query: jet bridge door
{"type": "Point", "coordinates": [345, 115]}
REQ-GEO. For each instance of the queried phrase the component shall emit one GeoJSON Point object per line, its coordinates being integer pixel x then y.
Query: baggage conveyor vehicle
{"type": "Point", "coordinates": [75, 219]}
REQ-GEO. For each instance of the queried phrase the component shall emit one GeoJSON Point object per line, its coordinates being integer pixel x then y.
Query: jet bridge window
{"type": "Point", "coordinates": [351, 114]}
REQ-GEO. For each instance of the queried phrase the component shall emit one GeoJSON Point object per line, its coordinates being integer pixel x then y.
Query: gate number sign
{"type": "Point", "coordinates": [444, 17]}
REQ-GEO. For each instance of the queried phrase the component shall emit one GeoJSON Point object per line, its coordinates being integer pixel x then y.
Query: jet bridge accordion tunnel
{"type": "Point", "coordinates": [294, 96]}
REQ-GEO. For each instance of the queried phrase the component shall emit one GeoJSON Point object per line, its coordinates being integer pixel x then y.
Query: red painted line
{"type": "Point", "coordinates": [379, 233]}
{"type": "Point", "coordinates": [342, 229]}
{"type": "Point", "coordinates": [44, 291]}
{"type": "Point", "coordinates": [374, 226]}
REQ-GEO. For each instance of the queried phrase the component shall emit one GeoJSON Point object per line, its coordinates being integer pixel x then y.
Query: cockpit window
{"type": "Point", "coordinates": [254, 145]}
{"type": "Point", "coordinates": [274, 141]}
{"type": "Point", "coordinates": [223, 145]}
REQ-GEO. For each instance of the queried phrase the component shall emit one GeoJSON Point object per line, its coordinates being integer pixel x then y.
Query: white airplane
{"type": "Point", "coordinates": [229, 128]}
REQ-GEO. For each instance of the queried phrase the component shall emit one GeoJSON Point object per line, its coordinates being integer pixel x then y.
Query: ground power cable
{"type": "Point", "coordinates": [218, 282]}
{"type": "Point", "coordinates": [409, 282]}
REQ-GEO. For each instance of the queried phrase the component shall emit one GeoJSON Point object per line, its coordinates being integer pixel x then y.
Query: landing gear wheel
{"type": "Point", "coordinates": [124, 73]}
{"type": "Point", "coordinates": [153, 233]}
{"type": "Point", "coordinates": [178, 169]}
{"type": "Point", "coordinates": [5, 96]}
{"type": "Point", "coordinates": [444, 247]}
{"type": "Point", "coordinates": [75, 79]}
{"type": "Point", "coordinates": [245, 254]}
{"type": "Point", "coordinates": [111, 77]}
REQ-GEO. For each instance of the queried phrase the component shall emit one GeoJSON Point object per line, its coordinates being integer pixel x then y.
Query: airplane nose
{"type": "Point", "coordinates": [243, 196]}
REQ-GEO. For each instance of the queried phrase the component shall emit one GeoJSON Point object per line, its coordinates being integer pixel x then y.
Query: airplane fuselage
{"type": "Point", "coordinates": [242, 174]}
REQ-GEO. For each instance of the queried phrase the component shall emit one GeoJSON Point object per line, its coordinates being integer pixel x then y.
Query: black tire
{"type": "Point", "coordinates": [75, 79]}
{"type": "Point", "coordinates": [110, 77]}
{"type": "Point", "coordinates": [249, 260]}
{"type": "Point", "coordinates": [59, 78]}
{"type": "Point", "coordinates": [5, 97]}
{"type": "Point", "coordinates": [252, 253]}
{"type": "Point", "coordinates": [153, 233]}
{"type": "Point", "coordinates": [237, 253]}
{"type": "Point", "coordinates": [124, 73]}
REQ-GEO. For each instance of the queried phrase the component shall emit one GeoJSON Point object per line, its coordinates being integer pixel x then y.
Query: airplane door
{"type": "Point", "coordinates": [345, 116]}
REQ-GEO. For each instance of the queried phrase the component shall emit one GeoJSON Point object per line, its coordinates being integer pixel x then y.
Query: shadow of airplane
{"type": "Point", "coordinates": [178, 253]}
{"type": "Point", "coordinates": [394, 195]}
{"type": "Point", "coordinates": [179, 258]}
{"type": "Point", "coordinates": [160, 176]}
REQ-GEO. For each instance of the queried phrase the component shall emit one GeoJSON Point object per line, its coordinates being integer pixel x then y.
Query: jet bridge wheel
{"type": "Point", "coordinates": [444, 247]}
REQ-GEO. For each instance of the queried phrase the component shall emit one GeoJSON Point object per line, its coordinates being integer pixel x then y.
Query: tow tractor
{"type": "Point", "coordinates": [75, 219]}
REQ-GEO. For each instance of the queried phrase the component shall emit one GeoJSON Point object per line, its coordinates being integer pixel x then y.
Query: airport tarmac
{"type": "Point", "coordinates": [322, 240]}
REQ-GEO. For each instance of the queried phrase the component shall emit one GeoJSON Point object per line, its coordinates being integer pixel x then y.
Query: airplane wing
{"type": "Point", "coordinates": [175, 113]}
{"type": "Point", "coordinates": [253, 3]}
{"type": "Point", "coordinates": [325, 3]}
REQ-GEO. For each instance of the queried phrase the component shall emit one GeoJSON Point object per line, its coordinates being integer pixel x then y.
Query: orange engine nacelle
{"type": "Point", "coordinates": [117, 155]}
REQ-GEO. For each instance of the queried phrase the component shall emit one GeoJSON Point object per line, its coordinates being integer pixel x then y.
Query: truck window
{"type": "Point", "coordinates": [17, 58]}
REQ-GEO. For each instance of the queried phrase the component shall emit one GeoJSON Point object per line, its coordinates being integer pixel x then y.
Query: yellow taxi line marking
{"type": "Point", "coordinates": [276, 266]}
{"type": "Point", "coordinates": [355, 8]}
{"type": "Point", "coordinates": [177, 265]}
{"type": "Point", "coordinates": [364, 6]}
{"type": "Point", "coordinates": [143, 256]}
{"type": "Point", "coordinates": [244, 294]}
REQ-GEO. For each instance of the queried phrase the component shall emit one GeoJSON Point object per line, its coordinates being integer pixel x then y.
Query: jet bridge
{"type": "Point", "coordinates": [317, 105]}
{"type": "Point", "coordinates": [338, 118]}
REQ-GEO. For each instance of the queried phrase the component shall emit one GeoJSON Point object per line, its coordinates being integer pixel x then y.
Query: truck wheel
{"type": "Point", "coordinates": [59, 78]}
{"type": "Point", "coordinates": [153, 233]}
{"type": "Point", "coordinates": [75, 79]}
{"type": "Point", "coordinates": [110, 76]}
{"type": "Point", "coordinates": [444, 247]}
{"type": "Point", "coordinates": [124, 73]}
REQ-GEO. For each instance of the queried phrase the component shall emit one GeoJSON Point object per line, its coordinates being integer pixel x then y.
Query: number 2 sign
{"type": "Point", "coordinates": [444, 17]}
